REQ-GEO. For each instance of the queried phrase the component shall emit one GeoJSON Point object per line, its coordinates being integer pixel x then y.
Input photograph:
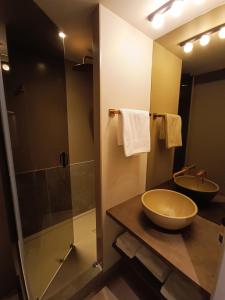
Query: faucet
{"type": "Point", "coordinates": [184, 170]}
{"type": "Point", "coordinates": [201, 174]}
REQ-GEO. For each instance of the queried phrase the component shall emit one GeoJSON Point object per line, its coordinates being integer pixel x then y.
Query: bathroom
{"type": "Point", "coordinates": [70, 192]}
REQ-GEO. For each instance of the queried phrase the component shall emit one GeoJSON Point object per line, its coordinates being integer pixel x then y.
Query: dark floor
{"type": "Point", "coordinates": [124, 285]}
{"type": "Point", "coordinates": [12, 297]}
{"type": "Point", "coordinates": [116, 288]}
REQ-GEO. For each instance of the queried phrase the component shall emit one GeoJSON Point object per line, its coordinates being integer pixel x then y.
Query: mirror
{"type": "Point", "coordinates": [202, 108]}
{"type": "Point", "coordinates": [48, 86]}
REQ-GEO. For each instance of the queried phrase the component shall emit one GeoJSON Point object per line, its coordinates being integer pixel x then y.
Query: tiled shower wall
{"type": "Point", "coordinates": [45, 195]}
{"type": "Point", "coordinates": [83, 186]}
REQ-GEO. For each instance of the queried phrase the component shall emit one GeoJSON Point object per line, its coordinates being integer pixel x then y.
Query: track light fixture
{"type": "Point", "coordinates": [203, 38]}
{"type": "Point", "coordinates": [222, 33]}
{"type": "Point", "coordinates": [188, 47]}
{"type": "Point", "coordinates": [158, 21]}
{"type": "Point", "coordinates": [174, 7]}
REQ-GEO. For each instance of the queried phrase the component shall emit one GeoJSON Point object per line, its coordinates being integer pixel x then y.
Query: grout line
{"type": "Point", "coordinates": [55, 167]}
{"type": "Point", "coordinates": [85, 213]}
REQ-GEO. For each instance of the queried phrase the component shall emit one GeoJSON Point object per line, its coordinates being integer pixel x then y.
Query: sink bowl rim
{"type": "Point", "coordinates": [217, 188]}
{"type": "Point", "coordinates": [168, 217]}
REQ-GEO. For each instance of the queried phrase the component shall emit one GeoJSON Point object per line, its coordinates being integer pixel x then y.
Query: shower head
{"type": "Point", "coordinates": [84, 66]}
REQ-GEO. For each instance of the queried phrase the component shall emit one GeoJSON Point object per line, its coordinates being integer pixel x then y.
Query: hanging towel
{"type": "Point", "coordinates": [179, 288]}
{"type": "Point", "coordinates": [134, 131]}
{"type": "Point", "coordinates": [128, 244]}
{"type": "Point", "coordinates": [170, 130]}
{"type": "Point", "coordinates": [153, 263]}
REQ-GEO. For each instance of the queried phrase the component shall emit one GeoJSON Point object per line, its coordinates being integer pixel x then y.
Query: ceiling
{"type": "Point", "coordinates": [202, 59]}
{"type": "Point", "coordinates": [74, 18]}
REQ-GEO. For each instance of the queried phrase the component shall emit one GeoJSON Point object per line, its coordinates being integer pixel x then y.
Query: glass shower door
{"type": "Point", "coordinates": [35, 95]}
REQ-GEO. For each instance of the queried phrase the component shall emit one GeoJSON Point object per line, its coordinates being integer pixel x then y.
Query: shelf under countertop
{"type": "Point", "coordinates": [194, 251]}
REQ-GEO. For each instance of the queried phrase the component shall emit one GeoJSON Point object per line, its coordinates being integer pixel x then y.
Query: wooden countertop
{"type": "Point", "coordinates": [194, 251]}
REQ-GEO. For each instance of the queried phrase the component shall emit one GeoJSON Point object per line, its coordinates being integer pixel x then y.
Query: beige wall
{"type": "Point", "coordinates": [166, 75]}
{"type": "Point", "coordinates": [206, 142]}
{"type": "Point", "coordinates": [79, 88]}
{"type": "Point", "coordinates": [125, 76]}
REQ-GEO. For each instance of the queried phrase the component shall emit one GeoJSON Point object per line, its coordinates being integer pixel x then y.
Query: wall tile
{"type": "Point", "coordinates": [45, 196]}
{"type": "Point", "coordinates": [59, 193]}
{"type": "Point", "coordinates": [33, 201]}
{"type": "Point", "coordinates": [83, 186]}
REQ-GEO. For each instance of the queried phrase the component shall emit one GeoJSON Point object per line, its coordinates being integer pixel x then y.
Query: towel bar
{"type": "Point", "coordinates": [113, 112]}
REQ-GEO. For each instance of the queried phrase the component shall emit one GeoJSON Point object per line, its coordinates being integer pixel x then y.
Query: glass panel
{"type": "Point", "coordinates": [78, 268]}
{"type": "Point", "coordinates": [79, 86]}
{"type": "Point", "coordinates": [35, 89]}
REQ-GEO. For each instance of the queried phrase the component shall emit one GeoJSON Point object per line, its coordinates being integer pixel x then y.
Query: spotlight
{"type": "Point", "coordinates": [177, 8]}
{"type": "Point", "coordinates": [204, 40]}
{"type": "Point", "coordinates": [188, 47]}
{"type": "Point", "coordinates": [5, 67]}
{"type": "Point", "coordinates": [222, 33]}
{"type": "Point", "coordinates": [158, 21]}
{"type": "Point", "coordinates": [62, 35]}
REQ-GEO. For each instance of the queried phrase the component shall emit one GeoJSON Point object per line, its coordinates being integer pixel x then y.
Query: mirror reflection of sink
{"type": "Point", "coordinates": [195, 188]}
{"type": "Point", "coordinates": [169, 209]}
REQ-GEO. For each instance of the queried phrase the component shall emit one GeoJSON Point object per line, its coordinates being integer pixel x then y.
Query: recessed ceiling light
{"type": "Point", "coordinates": [158, 21]}
{"type": "Point", "coordinates": [204, 40]}
{"type": "Point", "coordinates": [188, 47]}
{"type": "Point", "coordinates": [177, 8]}
{"type": "Point", "coordinates": [62, 35]}
{"type": "Point", "coordinates": [5, 67]}
{"type": "Point", "coordinates": [222, 33]}
{"type": "Point", "coordinates": [198, 2]}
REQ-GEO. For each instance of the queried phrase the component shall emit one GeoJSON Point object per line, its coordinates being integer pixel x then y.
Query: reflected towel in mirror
{"type": "Point", "coordinates": [170, 130]}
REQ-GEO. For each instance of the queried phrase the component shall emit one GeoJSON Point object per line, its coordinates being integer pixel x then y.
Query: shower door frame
{"type": "Point", "coordinates": [12, 177]}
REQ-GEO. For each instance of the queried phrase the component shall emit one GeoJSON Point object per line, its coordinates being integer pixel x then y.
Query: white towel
{"type": "Point", "coordinates": [179, 288]}
{"type": "Point", "coordinates": [170, 130]}
{"type": "Point", "coordinates": [153, 263]}
{"type": "Point", "coordinates": [128, 244]}
{"type": "Point", "coordinates": [134, 131]}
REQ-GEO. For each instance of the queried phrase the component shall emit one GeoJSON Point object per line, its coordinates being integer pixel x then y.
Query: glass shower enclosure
{"type": "Point", "coordinates": [34, 110]}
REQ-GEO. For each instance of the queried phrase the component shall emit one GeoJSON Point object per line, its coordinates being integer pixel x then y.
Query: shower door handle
{"type": "Point", "coordinates": [63, 159]}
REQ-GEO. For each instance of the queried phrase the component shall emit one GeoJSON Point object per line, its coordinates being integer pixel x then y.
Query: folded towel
{"type": "Point", "coordinates": [153, 263]}
{"type": "Point", "coordinates": [170, 130]}
{"type": "Point", "coordinates": [134, 131]}
{"type": "Point", "coordinates": [179, 288]}
{"type": "Point", "coordinates": [128, 244]}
